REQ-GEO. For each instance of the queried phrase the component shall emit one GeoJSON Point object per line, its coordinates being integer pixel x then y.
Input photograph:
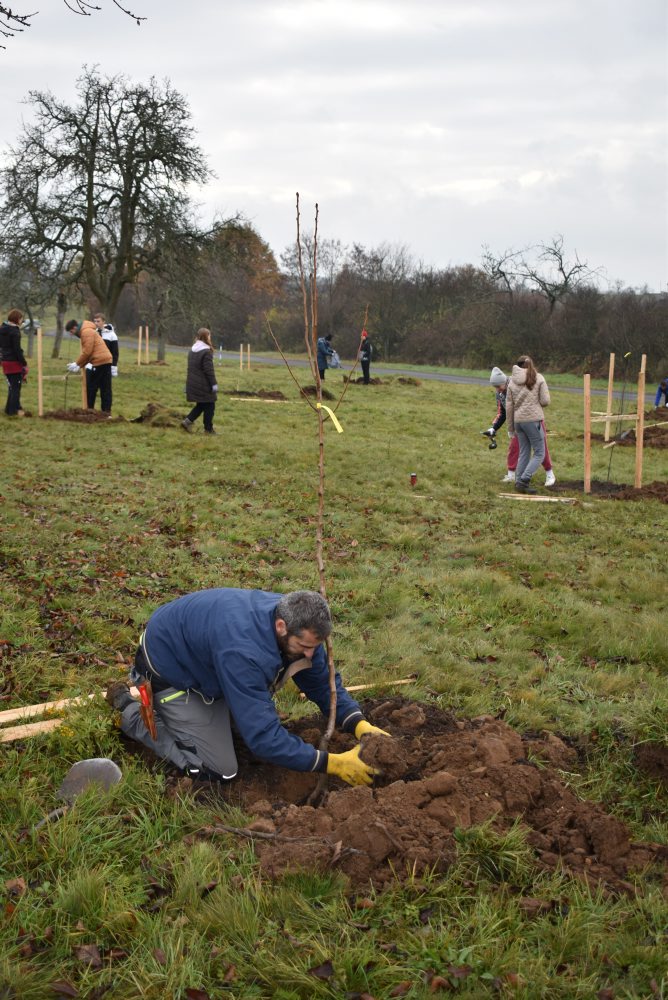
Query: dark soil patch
{"type": "Point", "coordinates": [652, 760]}
{"type": "Point", "coordinates": [81, 416]}
{"type": "Point", "coordinates": [438, 774]}
{"type": "Point", "coordinates": [655, 433]}
{"type": "Point", "coordinates": [310, 390]}
{"type": "Point", "coordinates": [408, 380]}
{"type": "Point", "coordinates": [261, 394]}
{"type": "Point", "coordinates": [614, 491]}
{"type": "Point", "coordinates": [360, 380]}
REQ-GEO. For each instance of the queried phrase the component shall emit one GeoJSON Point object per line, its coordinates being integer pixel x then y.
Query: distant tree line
{"type": "Point", "coordinates": [95, 213]}
{"type": "Point", "coordinates": [535, 300]}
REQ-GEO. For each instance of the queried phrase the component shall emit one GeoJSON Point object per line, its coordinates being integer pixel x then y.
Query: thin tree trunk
{"type": "Point", "coordinates": [61, 306]}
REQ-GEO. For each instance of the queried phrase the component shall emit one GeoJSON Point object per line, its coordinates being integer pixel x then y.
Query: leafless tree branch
{"type": "Point", "coordinates": [12, 22]}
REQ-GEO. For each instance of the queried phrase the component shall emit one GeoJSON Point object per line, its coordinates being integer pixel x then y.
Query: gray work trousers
{"type": "Point", "coordinates": [194, 733]}
{"type": "Point", "coordinates": [531, 439]}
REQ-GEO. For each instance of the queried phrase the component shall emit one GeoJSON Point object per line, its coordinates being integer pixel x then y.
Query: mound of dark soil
{"type": "Point", "coordinates": [437, 774]}
{"type": "Point", "coordinates": [360, 380]}
{"type": "Point", "coordinates": [614, 491]}
{"type": "Point", "coordinates": [261, 394]}
{"type": "Point", "coordinates": [408, 380]}
{"type": "Point", "coordinates": [81, 416]}
{"type": "Point", "coordinates": [157, 415]}
{"type": "Point", "coordinates": [310, 390]}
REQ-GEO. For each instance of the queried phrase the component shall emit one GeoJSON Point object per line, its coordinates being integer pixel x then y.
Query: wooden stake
{"type": "Point", "coordinates": [369, 687]}
{"type": "Point", "coordinates": [248, 356]}
{"type": "Point", "coordinates": [140, 334]}
{"type": "Point", "coordinates": [40, 375]}
{"type": "Point", "coordinates": [640, 423]}
{"type": "Point", "coordinates": [241, 357]}
{"type": "Point", "coordinates": [587, 433]}
{"type": "Point", "coordinates": [611, 377]}
{"type": "Point", "coordinates": [84, 389]}
{"type": "Point", "coordinates": [146, 345]}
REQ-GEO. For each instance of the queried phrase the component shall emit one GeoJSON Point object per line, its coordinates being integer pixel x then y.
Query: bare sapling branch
{"type": "Point", "coordinates": [348, 380]}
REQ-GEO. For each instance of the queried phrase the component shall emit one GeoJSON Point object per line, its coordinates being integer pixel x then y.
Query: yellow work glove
{"type": "Point", "coordinates": [350, 768]}
{"type": "Point", "coordinates": [363, 727]}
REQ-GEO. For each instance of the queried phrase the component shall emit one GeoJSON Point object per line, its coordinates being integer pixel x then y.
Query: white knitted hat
{"type": "Point", "coordinates": [497, 377]}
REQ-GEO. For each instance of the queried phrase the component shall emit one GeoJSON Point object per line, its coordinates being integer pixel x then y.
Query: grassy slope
{"type": "Point", "coordinates": [553, 614]}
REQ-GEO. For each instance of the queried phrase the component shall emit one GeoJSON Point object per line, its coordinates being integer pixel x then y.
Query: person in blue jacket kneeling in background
{"type": "Point", "coordinates": [220, 655]}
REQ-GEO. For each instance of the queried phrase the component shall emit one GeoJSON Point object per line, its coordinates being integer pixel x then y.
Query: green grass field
{"type": "Point", "coordinates": [552, 614]}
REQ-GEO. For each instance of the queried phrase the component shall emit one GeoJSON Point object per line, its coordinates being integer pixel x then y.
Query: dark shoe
{"type": "Point", "coordinates": [187, 425]}
{"type": "Point", "coordinates": [522, 487]}
{"type": "Point", "coordinates": [210, 431]}
{"type": "Point", "coordinates": [118, 695]}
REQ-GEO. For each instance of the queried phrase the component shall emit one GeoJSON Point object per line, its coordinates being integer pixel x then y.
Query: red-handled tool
{"type": "Point", "coordinates": [146, 708]}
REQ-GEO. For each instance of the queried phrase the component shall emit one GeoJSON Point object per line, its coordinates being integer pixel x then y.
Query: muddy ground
{"type": "Point", "coordinates": [657, 490]}
{"type": "Point", "coordinates": [438, 774]}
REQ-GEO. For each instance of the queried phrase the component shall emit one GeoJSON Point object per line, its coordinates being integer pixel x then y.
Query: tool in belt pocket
{"type": "Point", "coordinates": [146, 707]}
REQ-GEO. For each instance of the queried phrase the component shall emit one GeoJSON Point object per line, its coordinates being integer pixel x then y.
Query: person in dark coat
{"type": "Point", "coordinates": [13, 360]}
{"type": "Point", "coordinates": [324, 352]}
{"type": "Point", "coordinates": [366, 353]}
{"type": "Point", "coordinates": [201, 385]}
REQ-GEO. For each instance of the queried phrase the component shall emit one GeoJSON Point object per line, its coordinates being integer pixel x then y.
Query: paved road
{"type": "Point", "coordinates": [259, 359]}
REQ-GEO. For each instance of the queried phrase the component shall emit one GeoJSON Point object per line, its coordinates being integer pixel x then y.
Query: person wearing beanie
{"type": "Point", "coordinates": [526, 396]}
{"type": "Point", "coordinates": [499, 381]}
{"type": "Point", "coordinates": [366, 353]}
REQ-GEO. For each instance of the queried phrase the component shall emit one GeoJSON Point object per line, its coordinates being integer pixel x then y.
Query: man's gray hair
{"type": "Point", "coordinates": [305, 609]}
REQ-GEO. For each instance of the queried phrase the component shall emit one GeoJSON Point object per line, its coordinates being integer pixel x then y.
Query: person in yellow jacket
{"type": "Point", "coordinates": [94, 351]}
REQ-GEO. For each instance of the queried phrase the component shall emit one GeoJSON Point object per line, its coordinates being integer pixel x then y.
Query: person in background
{"type": "Point", "coordinates": [108, 334]}
{"type": "Point", "coordinates": [662, 391]}
{"type": "Point", "coordinates": [219, 656]}
{"type": "Point", "coordinates": [14, 364]}
{"type": "Point", "coordinates": [201, 385]}
{"type": "Point", "coordinates": [95, 352]}
{"type": "Point", "coordinates": [526, 395]}
{"type": "Point", "coordinates": [366, 354]}
{"type": "Point", "coordinates": [499, 382]}
{"type": "Point", "coordinates": [325, 351]}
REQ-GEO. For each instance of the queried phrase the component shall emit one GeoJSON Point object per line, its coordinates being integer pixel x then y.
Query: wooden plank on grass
{"type": "Point", "coordinates": [29, 729]}
{"type": "Point", "coordinates": [30, 711]}
{"type": "Point", "coordinates": [537, 499]}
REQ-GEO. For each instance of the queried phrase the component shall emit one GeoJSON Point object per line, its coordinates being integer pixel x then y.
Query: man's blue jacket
{"type": "Point", "coordinates": [223, 644]}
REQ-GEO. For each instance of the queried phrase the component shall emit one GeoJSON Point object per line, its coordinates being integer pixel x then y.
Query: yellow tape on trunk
{"type": "Point", "coordinates": [321, 406]}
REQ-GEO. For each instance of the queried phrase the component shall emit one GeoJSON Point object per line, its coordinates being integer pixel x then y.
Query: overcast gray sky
{"type": "Point", "coordinates": [442, 125]}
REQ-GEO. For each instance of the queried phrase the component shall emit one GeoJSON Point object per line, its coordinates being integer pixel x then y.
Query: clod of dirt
{"type": "Point", "coordinates": [440, 774]}
{"type": "Point", "coordinates": [385, 754]}
{"type": "Point", "coordinates": [157, 415]}
{"type": "Point", "coordinates": [408, 380]}
{"type": "Point", "coordinates": [652, 760]}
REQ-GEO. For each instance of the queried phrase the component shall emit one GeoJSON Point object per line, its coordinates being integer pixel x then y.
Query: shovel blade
{"type": "Point", "coordinates": [95, 771]}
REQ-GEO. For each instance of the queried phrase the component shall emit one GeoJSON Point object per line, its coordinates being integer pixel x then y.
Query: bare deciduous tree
{"type": "Point", "coordinates": [95, 192]}
{"type": "Point", "coordinates": [545, 268]}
